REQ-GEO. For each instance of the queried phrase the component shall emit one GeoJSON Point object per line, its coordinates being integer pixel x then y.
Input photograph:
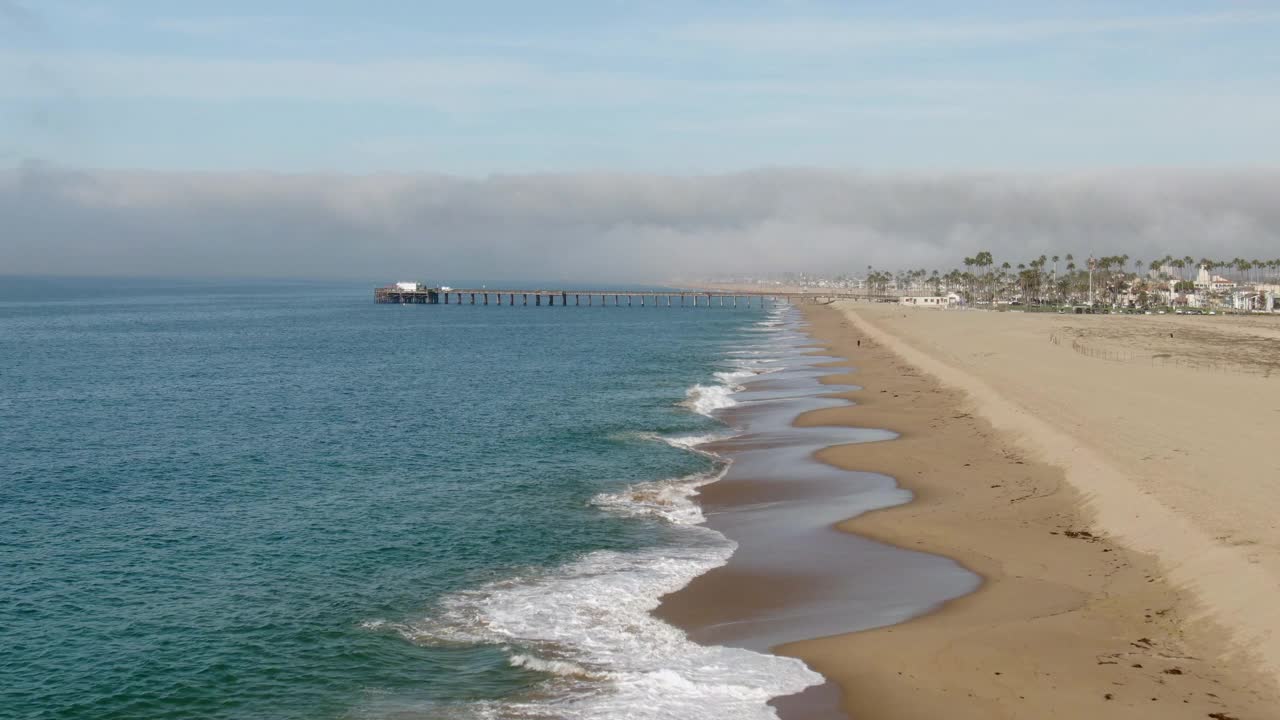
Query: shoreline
{"type": "Point", "coordinates": [794, 575]}
{"type": "Point", "coordinates": [1172, 462]}
{"type": "Point", "coordinates": [1065, 622]}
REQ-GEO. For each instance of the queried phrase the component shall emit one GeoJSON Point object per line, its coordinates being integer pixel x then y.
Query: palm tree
{"type": "Point", "coordinates": [984, 261]}
{"type": "Point", "coordinates": [1109, 279]}
{"type": "Point", "coordinates": [1054, 284]}
{"type": "Point", "coordinates": [1154, 266]}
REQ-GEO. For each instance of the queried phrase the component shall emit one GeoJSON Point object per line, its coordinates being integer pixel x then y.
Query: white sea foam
{"type": "Point", "coordinates": [588, 624]}
{"type": "Point", "coordinates": [706, 399]}
{"type": "Point", "coordinates": [671, 500]}
{"type": "Point", "coordinates": [731, 377]}
{"type": "Point", "coordinates": [551, 666]}
{"type": "Point", "coordinates": [691, 442]}
{"type": "Point", "coordinates": [694, 442]}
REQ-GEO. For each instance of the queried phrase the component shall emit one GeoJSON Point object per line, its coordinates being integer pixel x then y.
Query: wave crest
{"type": "Point", "coordinates": [590, 620]}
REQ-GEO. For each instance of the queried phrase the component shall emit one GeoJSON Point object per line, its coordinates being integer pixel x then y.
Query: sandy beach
{"type": "Point", "coordinates": [1115, 582]}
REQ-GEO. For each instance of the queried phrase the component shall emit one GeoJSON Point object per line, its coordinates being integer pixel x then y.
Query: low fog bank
{"type": "Point", "coordinates": [611, 227]}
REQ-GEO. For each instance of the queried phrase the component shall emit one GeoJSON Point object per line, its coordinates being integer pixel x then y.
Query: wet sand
{"type": "Point", "coordinates": [1066, 623]}
{"type": "Point", "coordinates": [795, 576]}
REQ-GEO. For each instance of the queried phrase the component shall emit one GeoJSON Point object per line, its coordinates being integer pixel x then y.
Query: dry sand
{"type": "Point", "coordinates": [1123, 517]}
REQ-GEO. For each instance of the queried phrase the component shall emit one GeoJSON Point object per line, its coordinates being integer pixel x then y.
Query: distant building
{"type": "Point", "coordinates": [930, 301]}
{"type": "Point", "coordinates": [409, 286]}
{"type": "Point", "coordinates": [1221, 284]}
{"type": "Point", "coordinates": [1212, 283]}
{"type": "Point", "coordinates": [1263, 298]}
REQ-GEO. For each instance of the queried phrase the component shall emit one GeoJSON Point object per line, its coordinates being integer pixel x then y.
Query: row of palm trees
{"type": "Point", "coordinates": [1102, 279]}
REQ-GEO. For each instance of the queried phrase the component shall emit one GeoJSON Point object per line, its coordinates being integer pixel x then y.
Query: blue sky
{"type": "Point", "coordinates": [515, 87]}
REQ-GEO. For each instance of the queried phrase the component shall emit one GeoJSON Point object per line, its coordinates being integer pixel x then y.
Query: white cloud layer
{"type": "Point", "coordinates": [612, 227]}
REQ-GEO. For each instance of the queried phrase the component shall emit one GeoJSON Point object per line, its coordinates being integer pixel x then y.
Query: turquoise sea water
{"type": "Point", "coordinates": [261, 501]}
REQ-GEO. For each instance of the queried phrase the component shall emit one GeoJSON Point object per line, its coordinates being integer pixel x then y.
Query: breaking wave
{"type": "Point", "coordinates": [588, 625]}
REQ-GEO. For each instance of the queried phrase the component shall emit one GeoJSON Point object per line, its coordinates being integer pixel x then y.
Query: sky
{"type": "Point", "coordinates": [346, 119]}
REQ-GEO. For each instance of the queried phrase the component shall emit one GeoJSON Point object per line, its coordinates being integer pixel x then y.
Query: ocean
{"type": "Point", "coordinates": [259, 501]}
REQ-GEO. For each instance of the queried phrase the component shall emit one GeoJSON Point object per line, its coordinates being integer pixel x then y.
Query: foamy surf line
{"type": "Point", "coordinates": [588, 625]}
{"type": "Point", "coordinates": [710, 399]}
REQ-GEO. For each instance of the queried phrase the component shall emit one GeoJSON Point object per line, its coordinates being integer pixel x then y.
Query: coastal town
{"type": "Point", "coordinates": [1101, 284]}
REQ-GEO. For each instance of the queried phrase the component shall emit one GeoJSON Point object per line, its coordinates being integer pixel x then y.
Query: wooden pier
{"type": "Point", "coordinates": [603, 298]}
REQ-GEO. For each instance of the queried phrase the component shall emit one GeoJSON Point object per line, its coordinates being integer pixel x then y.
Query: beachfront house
{"type": "Point", "coordinates": [1263, 298]}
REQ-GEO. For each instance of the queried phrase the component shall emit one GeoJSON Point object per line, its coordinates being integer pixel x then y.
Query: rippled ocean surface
{"type": "Point", "coordinates": [262, 501]}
